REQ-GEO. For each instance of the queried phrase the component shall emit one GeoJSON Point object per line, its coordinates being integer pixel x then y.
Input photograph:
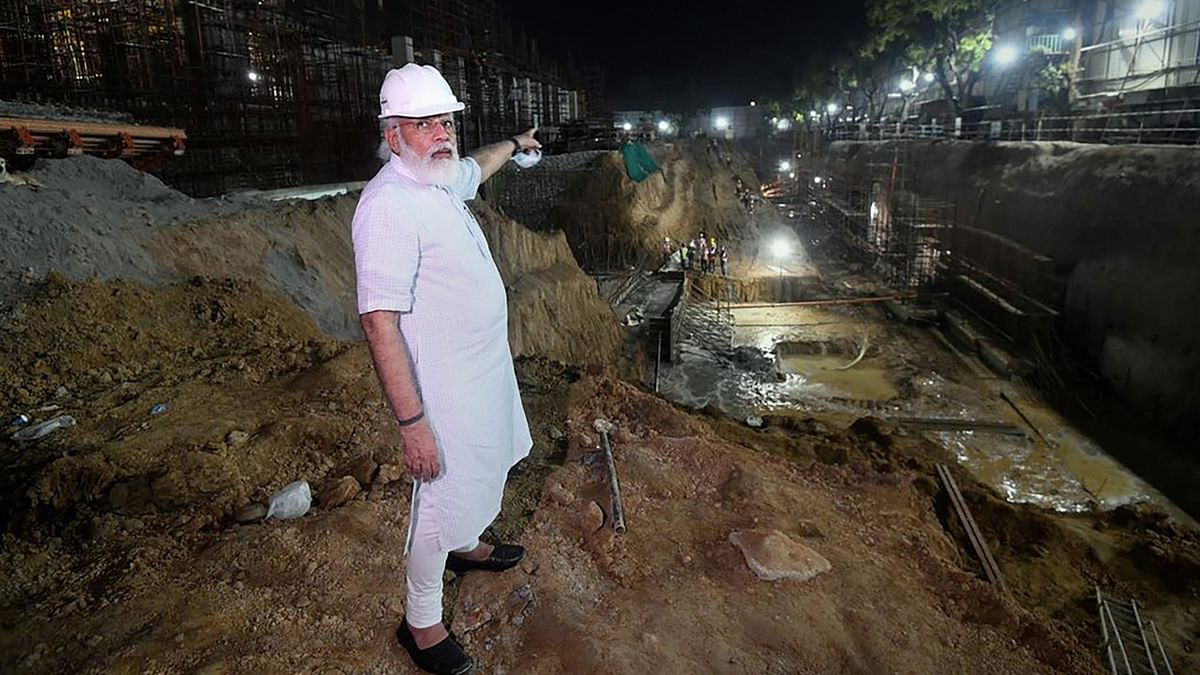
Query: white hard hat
{"type": "Point", "coordinates": [416, 91]}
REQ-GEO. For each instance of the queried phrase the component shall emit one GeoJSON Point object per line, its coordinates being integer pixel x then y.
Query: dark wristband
{"type": "Point", "coordinates": [412, 420]}
{"type": "Point", "coordinates": [516, 145]}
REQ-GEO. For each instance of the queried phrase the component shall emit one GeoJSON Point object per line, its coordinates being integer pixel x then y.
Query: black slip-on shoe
{"type": "Point", "coordinates": [444, 658]}
{"type": "Point", "coordinates": [504, 556]}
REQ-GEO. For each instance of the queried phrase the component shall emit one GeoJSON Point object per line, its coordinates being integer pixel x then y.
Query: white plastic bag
{"type": "Point", "coordinates": [528, 159]}
{"type": "Point", "coordinates": [43, 429]}
{"type": "Point", "coordinates": [292, 501]}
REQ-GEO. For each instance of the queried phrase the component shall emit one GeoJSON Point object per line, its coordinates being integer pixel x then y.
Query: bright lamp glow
{"type": "Point", "coordinates": [252, 76]}
{"type": "Point", "coordinates": [928, 77]}
{"type": "Point", "coordinates": [906, 85]}
{"type": "Point", "coordinates": [813, 113]}
{"type": "Point", "coordinates": [627, 126]}
{"type": "Point", "coordinates": [785, 165]}
{"type": "Point", "coordinates": [752, 104]}
{"type": "Point", "coordinates": [832, 108]}
{"type": "Point", "coordinates": [1006, 54]}
{"type": "Point", "coordinates": [783, 123]}
{"type": "Point", "coordinates": [874, 210]}
{"type": "Point", "coordinates": [817, 180]}
{"type": "Point", "coordinates": [1150, 9]}
{"type": "Point", "coordinates": [792, 174]}
{"type": "Point", "coordinates": [721, 123]}
{"type": "Point", "coordinates": [1069, 33]}
{"type": "Point", "coordinates": [779, 248]}
{"type": "Point", "coordinates": [663, 126]}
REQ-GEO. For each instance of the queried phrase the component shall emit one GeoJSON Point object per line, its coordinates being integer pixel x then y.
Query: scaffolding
{"type": "Point", "coordinates": [274, 93]}
{"type": "Point", "coordinates": [891, 227]}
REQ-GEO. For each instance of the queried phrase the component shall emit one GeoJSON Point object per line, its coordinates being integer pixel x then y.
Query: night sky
{"type": "Point", "coordinates": [684, 55]}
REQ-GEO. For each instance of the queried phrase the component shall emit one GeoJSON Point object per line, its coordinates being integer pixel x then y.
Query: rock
{"type": "Point", "coordinates": [807, 528]}
{"type": "Point", "coordinates": [556, 434]}
{"type": "Point", "coordinates": [363, 470]}
{"type": "Point", "coordinates": [559, 495]}
{"type": "Point", "coordinates": [236, 438]}
{"type": "Point", "coordinates": [772, 556]}
{"type": "Point", "coordinates": [591, 517]}
{"type": "Point", "coordinates": [251, 513]}
{"type": "Point", "coordinates": [340, 492]}
{"type": "Point", "coordinates": [754, 421]}
{"type": "Point", "coordinates": [389, 473]}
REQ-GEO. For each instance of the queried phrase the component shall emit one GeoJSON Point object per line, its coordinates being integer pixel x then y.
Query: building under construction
{"type": "Point", "coordinates": [275, 93]}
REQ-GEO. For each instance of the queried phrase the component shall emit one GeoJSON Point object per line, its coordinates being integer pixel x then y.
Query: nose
{"type": "Point", "coordinates": [440, 133]}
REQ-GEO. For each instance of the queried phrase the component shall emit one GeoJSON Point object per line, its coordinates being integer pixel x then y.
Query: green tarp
{"type": "Point", "coordinates": [638, 162]}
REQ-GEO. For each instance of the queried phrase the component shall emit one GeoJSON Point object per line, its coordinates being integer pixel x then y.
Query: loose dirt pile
{"type": "Point", "coordinates": [554, 309]}
{"type": "Point", "coordinates": [610, 221]}
{"type": "Point", "coordinates": [675, 593]}
{"type": "Point", "coordinates": [98, 218]}
{"type": "Point", "coordinates": [122, 554]}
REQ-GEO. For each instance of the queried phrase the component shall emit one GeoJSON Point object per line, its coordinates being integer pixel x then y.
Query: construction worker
{"type": "Point", "coordinates": [724, 262]}
{"type": "Point", "coordinates": [666, 252]}
{"type": "Point", "coordinates": [427, 284]}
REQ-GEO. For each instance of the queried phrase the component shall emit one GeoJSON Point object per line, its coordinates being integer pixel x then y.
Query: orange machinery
{"type": "Point", "coordinates": [23, 138]}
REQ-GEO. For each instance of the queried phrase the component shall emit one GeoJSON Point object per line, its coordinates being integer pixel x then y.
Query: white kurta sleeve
{"type": "Point", "coordinates": [468, 181]}
{"type": "Point", "coordinates": [387, 255]}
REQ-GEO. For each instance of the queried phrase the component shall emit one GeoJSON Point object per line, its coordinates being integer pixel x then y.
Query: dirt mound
{"type": "Point", "coordinates": [106, 354]}
{"type": "Point", "coordinates": [121, 551]}
{"type": "Point", "coordinates": [554, 309]}
{"type": "Point", "coordinates": [611, 221]}
{"type": "Point", "coordinates": [673, 590]}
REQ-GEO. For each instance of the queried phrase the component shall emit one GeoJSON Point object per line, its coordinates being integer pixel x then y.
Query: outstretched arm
{"type": "Point", "coordinates": [492, 157]}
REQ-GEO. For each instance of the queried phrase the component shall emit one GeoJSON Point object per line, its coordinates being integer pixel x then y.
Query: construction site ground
{"type": "Point", "coordinates": [123, 551]}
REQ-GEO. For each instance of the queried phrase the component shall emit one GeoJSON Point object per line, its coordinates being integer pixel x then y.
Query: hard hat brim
{"type": "Point", "coordinates": [427, 111]}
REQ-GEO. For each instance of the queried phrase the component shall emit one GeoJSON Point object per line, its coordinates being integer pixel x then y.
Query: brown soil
{"type": "Point", "coordinates": [674, 592]}
{"type": "Point", "coordinates": [610, 221]}
{"type": "Point", "coordinates": [122, 554]}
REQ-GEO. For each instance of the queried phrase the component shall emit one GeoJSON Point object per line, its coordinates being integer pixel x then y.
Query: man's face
{"type": "Point", "coordinates": [427, 146]}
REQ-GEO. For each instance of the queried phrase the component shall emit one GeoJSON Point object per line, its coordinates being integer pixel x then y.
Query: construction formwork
{"type": "Point", "coordinates": [274, 93]}
{"type": "Point", "coordinates": [890, 226]}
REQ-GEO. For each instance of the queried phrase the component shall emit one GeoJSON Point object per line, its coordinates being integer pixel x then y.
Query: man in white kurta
{"type": "Point", "coordinates": [434, 311]}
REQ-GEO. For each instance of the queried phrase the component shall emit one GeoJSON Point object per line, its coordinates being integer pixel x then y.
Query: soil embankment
{"type": "Point", "coordinates": [610, 221]}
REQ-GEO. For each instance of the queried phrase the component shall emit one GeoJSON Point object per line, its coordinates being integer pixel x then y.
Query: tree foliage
{"type": "Point", "coordinates": [950, 38]}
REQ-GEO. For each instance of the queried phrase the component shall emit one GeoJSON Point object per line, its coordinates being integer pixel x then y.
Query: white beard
{"type": "Point", "coordinates": [430, 170]}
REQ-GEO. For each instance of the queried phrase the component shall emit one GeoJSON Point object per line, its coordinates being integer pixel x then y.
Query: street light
{"type": "Point", "coordinates": [928, 77]}
{"type": "Point", "coordinates": [785, 166]}
{"type": "Point", "coordinates": [752, 104]}
{"type": "Point", "coordinates": [252, 76]}
{"type": "Point", "coordinates": [906, 86]}
{"type": "Point", "coordinates": [817, 180]}
{"type": "Point", "coordinates": [1006, 54]}
{"type": "Point", "coordinates": [832, 108]}
{"type": "Point", "coordinates": [721, 123]}
{"type": "Point", "coordinates": [779, 249]}
{"type": "Point", "coordinates": [783, 123]}
{"type": "Point", "coordinates": [663, 126]}
{"type": "Point", "coordinates": [792, 174]}
{"type": "Point", "coordinates": [1069, 33]}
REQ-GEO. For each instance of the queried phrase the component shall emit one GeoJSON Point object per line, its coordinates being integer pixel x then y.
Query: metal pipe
{"type": "Point", "coordinates": [1162, 651]}
{"type": "Point", "coordinates": [614, 487]}
{"type": "Point", "coordinates": [1142, 632]}
{"type": "Point", "coordinates": [1120, 642]}
{"type": "Point", "coordinates": [657, 361]}
{"type": "Point", "coordinates": [1112, 661]}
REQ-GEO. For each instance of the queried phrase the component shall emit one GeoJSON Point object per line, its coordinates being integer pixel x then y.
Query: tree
{"type": "Point", "coordinates": [949, 38]}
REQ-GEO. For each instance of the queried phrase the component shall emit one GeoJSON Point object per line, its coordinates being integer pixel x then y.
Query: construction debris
{"type": "Point", "coordinates": [773, 556]}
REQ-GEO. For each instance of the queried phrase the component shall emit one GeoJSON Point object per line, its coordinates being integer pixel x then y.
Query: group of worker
{"type": "Point", "coordinates": [697, 253]}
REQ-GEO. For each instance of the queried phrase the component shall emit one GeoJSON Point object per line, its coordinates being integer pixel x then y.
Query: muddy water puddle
{"type": "Point", "coordinates": [863, 381]}
{"type": "Point", "coordinates": [1053, 466]}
